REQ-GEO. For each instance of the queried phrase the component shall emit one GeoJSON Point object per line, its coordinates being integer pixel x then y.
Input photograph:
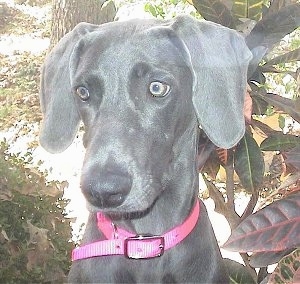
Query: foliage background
{"type": "Point", "coordinates": [34, 233]}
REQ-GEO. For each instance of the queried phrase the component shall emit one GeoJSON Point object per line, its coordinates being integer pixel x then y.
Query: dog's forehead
{"type": "Point", "coordinates": [151, 42]}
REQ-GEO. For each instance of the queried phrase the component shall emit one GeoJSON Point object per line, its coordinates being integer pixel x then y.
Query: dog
{"type": "Point", "coordinates": [142, 88]}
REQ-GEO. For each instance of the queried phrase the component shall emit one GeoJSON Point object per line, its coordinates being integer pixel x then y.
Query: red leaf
{"type": "Point", "coordinates": [223, 155]}
{"type": "Point", "coordinates": [248, 105]}
{"type": "Point", "coordinates": [205, 148]}
{"type": "Point", "coordinates": [273, 228]}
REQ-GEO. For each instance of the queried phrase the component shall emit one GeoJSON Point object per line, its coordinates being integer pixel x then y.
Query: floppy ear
{"type": "Point", "coordinates": [219, 61]}
{"type": "Point", "coordinates": [60, 116]}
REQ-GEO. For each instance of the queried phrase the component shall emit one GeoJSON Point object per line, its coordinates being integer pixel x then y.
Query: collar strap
{"type": "Point", "coordinates": [122, 242]}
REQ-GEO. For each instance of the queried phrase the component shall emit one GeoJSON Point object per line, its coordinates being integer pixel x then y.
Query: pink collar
{"type": "Point", "coordinates": [122, 242]}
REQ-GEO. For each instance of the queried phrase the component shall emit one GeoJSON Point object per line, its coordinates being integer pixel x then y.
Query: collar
{"type": "Point", "coordinates": [121, 242]}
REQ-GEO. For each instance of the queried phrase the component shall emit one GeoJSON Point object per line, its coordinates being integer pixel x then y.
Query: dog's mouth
{"type": "Point", "coordinates": [120, 213]}
{"type": "Point", "coordinates": [131, 205]}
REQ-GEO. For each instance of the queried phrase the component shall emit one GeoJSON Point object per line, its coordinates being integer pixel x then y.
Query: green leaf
{"type": "Point", "coordinates": [281, 121]}
{"type": "Point", "coordinates": [215, 11]}
{"type": "Point", "coordinates": [249, 163]}
{"type": "Point", "coordinates": [278, 141]}
{"type": "Point", "coordinates": [291, 56]}
{"type": "Point", "coordinates": [259, 105]}
{"type": "Point", "coordinates": [276, 5]}
{"type": "Point", "coordinates": [238, 273]}
{"type": "Point", "coordinates": [150, 9]}
{"type": "Point", "coordinates": [287, 269]}
{"type": "Point", "coordinates": [251, 9]}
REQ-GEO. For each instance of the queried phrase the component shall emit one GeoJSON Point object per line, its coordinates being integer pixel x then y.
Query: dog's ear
{"type": "Point", "coordinates": [60, 116]}
{"type": "Point", "coordinates": [219, 61]}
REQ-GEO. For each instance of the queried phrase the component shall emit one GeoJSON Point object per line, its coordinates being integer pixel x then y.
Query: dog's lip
{"type": "Point", "coordinates": [113, 210]}
{"type": "Point", "coordinates": [116, 215]}
{"type": "Point", "coordinates": [120, 212]}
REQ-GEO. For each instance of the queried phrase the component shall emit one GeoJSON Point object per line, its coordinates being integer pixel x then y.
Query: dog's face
{"type": "Point", "coordinates": [137, 108]}
{"type": "Point", "coordinates": [141, 88]}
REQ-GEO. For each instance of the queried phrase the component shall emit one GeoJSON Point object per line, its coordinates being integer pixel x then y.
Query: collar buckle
{"type": "Point", "coordinates": [144, 246]}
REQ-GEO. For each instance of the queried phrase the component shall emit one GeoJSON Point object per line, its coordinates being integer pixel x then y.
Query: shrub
{"type": "Point", "coordinates": [34, 234]}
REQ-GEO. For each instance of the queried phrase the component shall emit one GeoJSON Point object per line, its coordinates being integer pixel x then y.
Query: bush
{"type": "Point", "coordinates": [34, 234]}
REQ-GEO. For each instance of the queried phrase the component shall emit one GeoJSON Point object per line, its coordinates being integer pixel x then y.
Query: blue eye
{"type": "Point", "coordinates": [83, 93]}
{"type": "Point", "coordinates": [158, 89]}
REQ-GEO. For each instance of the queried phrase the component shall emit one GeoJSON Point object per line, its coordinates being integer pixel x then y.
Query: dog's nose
{"type": "Point", "coordinates": [106, 189]}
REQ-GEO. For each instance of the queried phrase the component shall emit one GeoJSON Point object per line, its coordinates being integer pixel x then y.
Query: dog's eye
{"type": "Point", "coordinates": [158, 89]}
{"type": "Point", "coordinates": [83, 93]}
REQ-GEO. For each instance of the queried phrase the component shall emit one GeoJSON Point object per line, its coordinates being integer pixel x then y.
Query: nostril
{"type": "Point", "coordinates": [114, 199]}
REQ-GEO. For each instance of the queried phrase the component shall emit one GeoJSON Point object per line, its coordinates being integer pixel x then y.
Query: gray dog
{"type": "Point", "coordinates": [142, 88]}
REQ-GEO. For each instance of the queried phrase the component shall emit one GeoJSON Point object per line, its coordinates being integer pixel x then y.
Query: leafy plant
{"type": "Point", "coordinates": [168, 8]}
{"type": "Point", "coordinates": [269, 171]}
{"type": "Point", "coordinates": [34, 233]}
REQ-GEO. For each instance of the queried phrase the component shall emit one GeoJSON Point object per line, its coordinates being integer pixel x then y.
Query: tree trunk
{"type": "Point", "coordinates": [66, 14]}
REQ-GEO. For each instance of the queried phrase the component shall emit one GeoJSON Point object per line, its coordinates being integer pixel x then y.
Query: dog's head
{"type": "Point", "coordinates": [141, 88]}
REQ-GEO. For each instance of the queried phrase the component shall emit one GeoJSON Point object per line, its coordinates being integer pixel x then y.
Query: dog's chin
{"type": "Point", "coordinates": [125, 210]}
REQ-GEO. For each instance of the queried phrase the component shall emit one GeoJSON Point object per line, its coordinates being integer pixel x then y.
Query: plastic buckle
{"type": "Point", "coordinates": [146, 239]}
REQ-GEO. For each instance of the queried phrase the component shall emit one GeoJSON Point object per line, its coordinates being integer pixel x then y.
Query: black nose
{"type": "Point", "coordinates": [106, 189]}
